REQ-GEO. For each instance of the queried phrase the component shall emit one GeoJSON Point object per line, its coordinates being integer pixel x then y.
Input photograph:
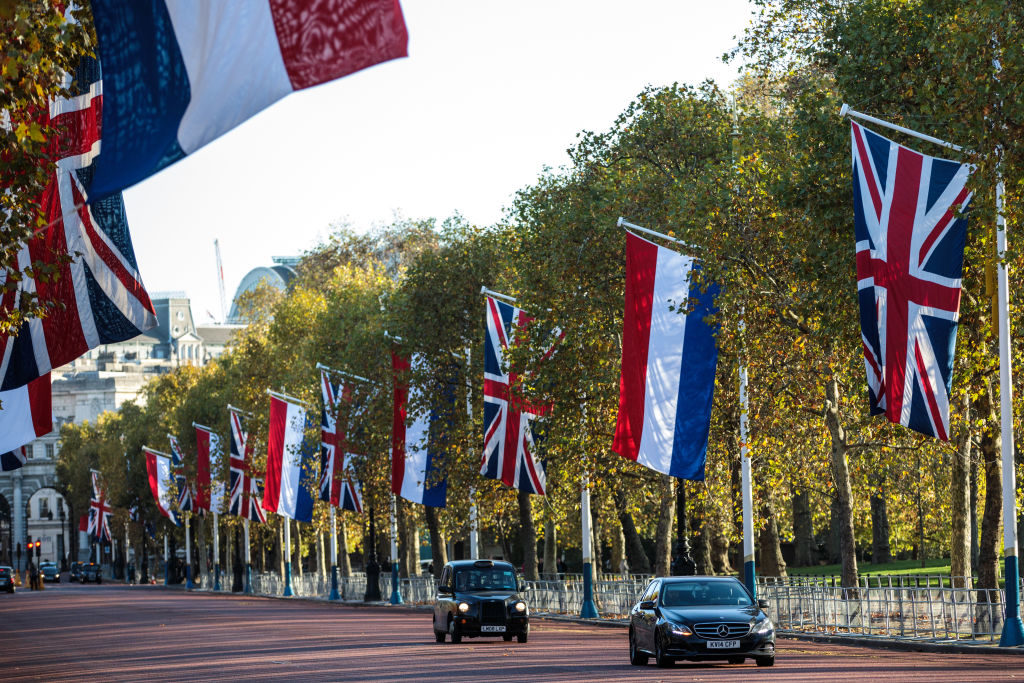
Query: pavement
{"type": "Point", "coordinates": [71, 632]}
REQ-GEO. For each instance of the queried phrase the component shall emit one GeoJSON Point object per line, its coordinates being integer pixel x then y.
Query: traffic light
{"type": "Point", "coordinates": [39, 549]}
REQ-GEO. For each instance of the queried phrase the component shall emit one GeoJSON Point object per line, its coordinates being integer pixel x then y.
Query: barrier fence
{"type": "Point", "coordinates": [926, 607]}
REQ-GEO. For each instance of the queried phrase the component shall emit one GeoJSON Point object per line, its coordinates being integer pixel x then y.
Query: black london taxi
{"type": "Point", "coordinates": [480, 598]}
{"type": "Point", "coordinates": [700, 618]}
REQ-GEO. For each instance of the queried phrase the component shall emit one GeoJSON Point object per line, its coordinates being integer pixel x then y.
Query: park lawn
{"type": "Point", "coordinates": [932, 567]}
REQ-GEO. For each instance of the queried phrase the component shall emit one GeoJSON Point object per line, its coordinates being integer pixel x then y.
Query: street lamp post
{"type": "Point", "coordinates": [682, 563]}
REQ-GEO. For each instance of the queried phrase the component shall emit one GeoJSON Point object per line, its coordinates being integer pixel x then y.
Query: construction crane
{"type": "Point", "coordinates": [220, 283]}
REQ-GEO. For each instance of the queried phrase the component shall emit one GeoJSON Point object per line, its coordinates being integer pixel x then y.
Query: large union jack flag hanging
{"type": "Point", "coordinates": [509, 446]}
{"type": "Point", "coordinates": [246, 491]}
{"type": "Point", "coordinates": [910, 235]}
{"type": "Point", "coordinates": [101, 296]}
{"type": "Point", "coordinates": [338, 485]}
{"type": "Point", "coordinates": [99, 511]}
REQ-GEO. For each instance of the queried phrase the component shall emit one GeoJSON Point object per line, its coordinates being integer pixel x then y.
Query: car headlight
{"type": "Point", "coordinates": [680, 630]}
{"type": "Point", "coordinates": [765, 626]}
{"type": "Point", "coordinates": [463, 607]}
{"type": "Point", "coordinates": [520, 606]}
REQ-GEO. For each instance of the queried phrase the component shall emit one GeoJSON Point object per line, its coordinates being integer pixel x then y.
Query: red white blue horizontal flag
{"type": "Point", "coordinates": [290, 462]}
{"type": "Point", "coordinates": [415, 466]}
{"type": "Point", "coordinates": [910, 233]}
{"type": "Point", "coordinates": [158, 470]}
{"type": "Point", "coordinates": [178, 73]}
{"type": "Point", "coordinates": [669, 358]}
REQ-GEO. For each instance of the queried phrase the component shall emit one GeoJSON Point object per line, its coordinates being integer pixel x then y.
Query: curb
{"type": "Point", "coordinates": [951, 648]}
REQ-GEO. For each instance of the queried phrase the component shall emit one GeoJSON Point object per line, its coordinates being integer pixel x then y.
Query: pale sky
{"type": "Point", "coordinates": [490, 94]}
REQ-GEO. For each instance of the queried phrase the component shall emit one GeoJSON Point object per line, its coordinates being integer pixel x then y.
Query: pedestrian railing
{"type": "Point", "coordinates": [898, 607]}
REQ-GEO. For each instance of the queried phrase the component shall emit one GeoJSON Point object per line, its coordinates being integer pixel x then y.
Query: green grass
{"type": "Point", "coordinates": [934, 566]}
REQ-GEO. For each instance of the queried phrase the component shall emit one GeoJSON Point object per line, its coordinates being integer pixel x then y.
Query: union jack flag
{"type": "Point", "coordinates": [910, 235]}
{"type": "Point", "coordinates": [178, 463]}
{"type": "Point", "coordinates": [246, 491]}
{"type": "Point", "coordinates": [99, 511]}
{"type": "Point", "coordinates": [338, 485]}
{"type": "Point", "coordinates": [509, 445]}
{"type": "Point", "coordinates": [101, 296]}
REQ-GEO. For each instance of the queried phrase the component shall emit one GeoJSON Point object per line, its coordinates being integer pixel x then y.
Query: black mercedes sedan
{"type": "Point", "coordinates": [480, 598]}
{"type": "Point", "coordinates": [700, 618]}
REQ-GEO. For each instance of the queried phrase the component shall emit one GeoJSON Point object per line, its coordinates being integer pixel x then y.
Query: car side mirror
{"type": "Point", "coordinates": [647, 604]}
{"type": "Point", "coordinates": [444, 589]}
{"type": "Point", "coordinates": [763, 604]}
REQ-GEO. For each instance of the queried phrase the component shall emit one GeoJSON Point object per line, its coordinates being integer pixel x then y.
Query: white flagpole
{"type": "Point", "coordinates": [474, 538]}
{"type": "Point", "coordinates": [216, 551]}
{"type": "Point", "coordinates": [287, 557]}
{"type": "Point", "coordinates": [248, 560]}
{"type": "Point", "coordinates": [396, 593]}
{"type": "Point", "coordinates": [847, 111]}
{"type": "Point", "coordinates": [334, 556]}
{"type": "Point", "coordinates": [188, 551]}
{"type": "Point", "coordinates": [588, 609]}
{"type": "Point", "coordinates": [749, 576]}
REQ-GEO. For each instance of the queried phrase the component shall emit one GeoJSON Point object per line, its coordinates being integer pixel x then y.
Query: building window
{"type": "Point", "coordinates": [44, 508]}
{"type": "Point", "coordinates": [181, 315]}
{"type": "Point", "coordinates": [27, 450]}
{"type": "Point", "coordinates": [49, 451]}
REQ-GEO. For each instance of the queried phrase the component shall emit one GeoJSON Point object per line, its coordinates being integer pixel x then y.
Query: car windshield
{"type": "Point", "coordinates": [485, 579]}
{"type": "Point", "coordinates": [702, 593]}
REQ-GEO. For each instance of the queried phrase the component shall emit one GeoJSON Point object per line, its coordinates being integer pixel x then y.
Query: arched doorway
{"type": "Point", "coordinates": [47, 516]}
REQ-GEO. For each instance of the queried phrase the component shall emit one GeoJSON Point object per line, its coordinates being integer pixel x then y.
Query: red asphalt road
{"type": "Point", "coordinates": [144, 633]}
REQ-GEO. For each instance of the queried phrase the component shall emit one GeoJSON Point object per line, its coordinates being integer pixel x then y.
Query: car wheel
{"type": "Point", "coordinates": [660, 659]}
{"type": "Point", "coordinates": [766, 661]}
{"type": "Point", "coordinates": [522, 637]}
{"type": "Point", "coordinates": [636, 657]}
{"type": "Point", "coordinates": [439, 636]}
{"type": "Point", "coordinates": [453, 631]}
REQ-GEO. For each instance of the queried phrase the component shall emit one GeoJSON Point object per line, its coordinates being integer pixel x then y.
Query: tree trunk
{"type": "Point", "coordinates": [834, 554]}
{"type": "Point", "coordinates": [439, 553]}
{"type": "Point", "coordinates": [528, 534]}
{"type": "Point", "coordinates": [402, 521]}
{"type": "Point", "coordinates": [619, 563]}
{"type": "Point", "coordinates": [991, 442]}
{"type": "Point", "coordinates": [803, 529]}
{"type": "Point", "coordinates": [699, 533]}
{"type": "Point", "coordinates": [879, 529]}
{"type": "Point", "coordinates": [201, 550]}
{"type": "Point", "coordinates": [321, 564]}
{"type": "Point", "coordinates": [663, 535]}
{"type": "Point", "coordinates": [636, 557]}
{"type": "Point", "coordinates": [720, 563]}
{"type": "Point", "coordinates": [770, 560]}
{"type": "Point", "coordinates": [297, 542]}
{"type": "Point", "coordinates": [279, 547]}
{"type": "Point", "coordinates": [550, 548]}
{"type": "Point", "coordinates": [960, 503]}
{"type": "Point", "coordinates": [412, 541]}
{"type": "Point", "coordinates": [974, 509]}
{"type": "Point", "coordinates": [841, 479]}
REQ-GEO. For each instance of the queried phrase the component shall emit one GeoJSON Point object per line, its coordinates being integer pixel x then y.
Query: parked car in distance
{"type": "Point", "coordinates": [7, 579]}
{"type": "Point", "coordinates": [91, 572]}
{"type": "Point", "coordinates": [76, 571]}
{"type": "Point", "coordinates": [50, 572]}
{"type": "Point", "coordinates": [700, 618]}
{"type": "Point", "coordinates": [480, 598]}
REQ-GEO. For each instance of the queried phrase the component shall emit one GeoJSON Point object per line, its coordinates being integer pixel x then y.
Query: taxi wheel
{"type": "Point", "coordinates": [522, 637]}
{"type": "Point", "coordinates": [453, 630]}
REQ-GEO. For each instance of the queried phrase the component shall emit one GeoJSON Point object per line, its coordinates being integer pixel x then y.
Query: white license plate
{"type": "Point", "coordinates": [723, 644]}
{"type": "Point", "coordinates": [495, 629]}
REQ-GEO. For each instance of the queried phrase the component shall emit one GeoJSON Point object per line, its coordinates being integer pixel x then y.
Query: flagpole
{"type": "Point", "coordinates": [396, 593]}
{"type": "Point", "coordinates": [216, 552]}
{"type": "Point", "coordinates": [490, 292]}
{"type": "Point", "coordinates": [188, 551]}
{"type": "Point", "coordinates": [589, 608]}
{"type": "Point", "coordinates": [845, 111]}
{"type": "Point", "coordinates": [334, 557]}
{"type": "Point", "coordinates": [342, 373]}
{"type": "Point", "coordinates": [474, 536]}
{"type": "Point", "coordinates": [167, 563]}
{"type": "Point", "coordinates": [248, 561]}
{"type": "Point", "coordinates": [749, 575]}
{"type": "Point", "coordinates": [1013, 627]}
{"type": "Point", "coordinates": [287, 557]}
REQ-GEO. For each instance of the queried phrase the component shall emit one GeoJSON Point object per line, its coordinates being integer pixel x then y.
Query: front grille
{"type": "Point", "coordinates": [710, 630]}
{"type": "Point", "coordinates": [492, 612]}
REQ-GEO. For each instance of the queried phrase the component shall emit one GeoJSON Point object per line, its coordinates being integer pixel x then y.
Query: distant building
{"type": "Point", "coordinates": [279, 275]}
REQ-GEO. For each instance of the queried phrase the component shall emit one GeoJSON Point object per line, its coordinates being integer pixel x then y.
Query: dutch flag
{"type": "Point", "coordinates": [669, 359]}
{"type": "Point", "coordinates": [179, 73]}
{"type": "Point", "coordinates": [291, 461]}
